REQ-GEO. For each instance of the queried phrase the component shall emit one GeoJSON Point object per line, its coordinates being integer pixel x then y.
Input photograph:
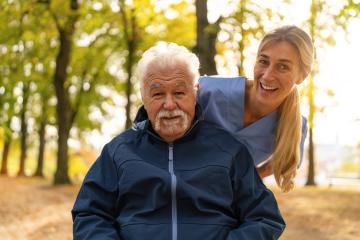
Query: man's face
{"type": "Point", "coordinates": [169, 100]}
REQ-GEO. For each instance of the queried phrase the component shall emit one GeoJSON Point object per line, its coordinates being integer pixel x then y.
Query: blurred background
{"type": "Point", "coordinates": [68, 85]}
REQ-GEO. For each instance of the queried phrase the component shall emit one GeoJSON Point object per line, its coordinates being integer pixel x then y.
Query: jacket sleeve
{"type": "Point", "coordinates": [256, 207]}
{"type": "Point", "coordinates": [94, 211]}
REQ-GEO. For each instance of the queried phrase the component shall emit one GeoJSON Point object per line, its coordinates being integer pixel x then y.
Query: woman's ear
{"type": "Point", "coordinates": [300, 80]}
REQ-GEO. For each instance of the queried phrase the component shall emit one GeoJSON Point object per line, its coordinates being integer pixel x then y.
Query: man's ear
{"type": "Point", "coordinates": [197, 89]}
{"type": "Point", "coordinates": [143, 103]}
{"type": "Point", "coordinates": [142, 98]}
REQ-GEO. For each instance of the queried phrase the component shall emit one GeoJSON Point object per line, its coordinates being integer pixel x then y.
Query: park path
{"type": "Point", "coordinates": [32, 209]}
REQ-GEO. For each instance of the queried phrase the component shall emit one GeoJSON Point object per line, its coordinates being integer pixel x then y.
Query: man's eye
{"type": "Point", "coordinates": [179, 93]}
{"type": "Point", "coordinates": [156, 94]}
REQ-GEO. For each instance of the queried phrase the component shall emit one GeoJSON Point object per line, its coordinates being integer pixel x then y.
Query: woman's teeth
{"type": "Point", "coordinates": [268, 87]}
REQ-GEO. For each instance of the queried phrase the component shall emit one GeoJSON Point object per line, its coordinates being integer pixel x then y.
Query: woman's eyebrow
{"type": "Point", "coordinates": [280, 60]}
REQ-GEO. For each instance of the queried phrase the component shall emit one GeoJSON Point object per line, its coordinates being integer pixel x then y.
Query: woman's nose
{"type": "Point", "coordinates": [268, 73]}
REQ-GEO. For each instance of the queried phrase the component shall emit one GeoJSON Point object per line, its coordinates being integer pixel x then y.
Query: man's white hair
{"type": "Point", "coordinates": [167, 54]}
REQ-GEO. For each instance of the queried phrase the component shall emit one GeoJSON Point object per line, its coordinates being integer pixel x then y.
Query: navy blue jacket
{"type": "Point", "coordinates": [202, 186]}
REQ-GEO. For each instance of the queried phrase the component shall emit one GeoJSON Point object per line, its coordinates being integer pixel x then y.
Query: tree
{"type": "Point", "coordinates": [24, 127]}
{"type": "Point", "coordinates": [131, 37]}
{"type": "Point", "coordinates": [11, 70]}
{"type": "Point", "coordinates": [206, 36]}
{"type": "Point", "coordinates": [248, 25]}
{"type": "Point", "coordinates": [64, 111]}
{"type": "Point", "coordinates": [320, 23]}
{"type": "Point", "coordinates": [80, 69]}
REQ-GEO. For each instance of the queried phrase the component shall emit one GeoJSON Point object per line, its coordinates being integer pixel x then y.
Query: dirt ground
{"type": "Point", "coordinates": [33, 209]}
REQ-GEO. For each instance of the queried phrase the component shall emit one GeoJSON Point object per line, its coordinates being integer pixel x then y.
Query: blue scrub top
{"type": "Point", "coordinates": [222, 100]}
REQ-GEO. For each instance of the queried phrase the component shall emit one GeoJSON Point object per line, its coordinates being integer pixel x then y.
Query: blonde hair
{"type": "Point", "coordinates": [286, 155]}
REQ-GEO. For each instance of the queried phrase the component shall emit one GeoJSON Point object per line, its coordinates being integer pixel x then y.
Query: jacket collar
{"type": "Point", "coordinates": [142, 123]}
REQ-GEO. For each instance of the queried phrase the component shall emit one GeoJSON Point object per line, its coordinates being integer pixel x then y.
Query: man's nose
{"type": "Point", "coordinates": [169, 103]}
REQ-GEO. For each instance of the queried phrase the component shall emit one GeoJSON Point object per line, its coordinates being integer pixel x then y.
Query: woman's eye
{"type": "Point", "coordinates": [283, 67]}
{"type": "Point", "coordinates": [262, 61]}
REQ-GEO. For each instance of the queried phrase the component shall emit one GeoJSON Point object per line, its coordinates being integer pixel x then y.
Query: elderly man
{"type": "Point", "coordinates": [173, 176]}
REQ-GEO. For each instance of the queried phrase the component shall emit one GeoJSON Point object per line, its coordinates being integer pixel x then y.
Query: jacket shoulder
{"type": "Point", "coordinates": [220, 138]}
{"type": "Point", "coordinates": [126, 137]}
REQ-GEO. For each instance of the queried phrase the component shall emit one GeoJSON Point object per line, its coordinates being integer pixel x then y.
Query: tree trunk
{"type": "Point", "coordinates": [63, 107]}
{"type": "Point", "coordinates": [311, 153]}
{"type": "Point", "coordinates": [7, 143]}
{"type": "Point", "coordinates": [64, 112]}
{"type": "Point", "coordinates": [128, 122]}
{"type": "Point", "coordinates": [40, 162]}
{"type": "Point", "coordinates": [206, 35]}
{"type": "Point", "coordinates": [130, 36]}
{"type": "Point", "coordinates": [61, 174]}
{"type": "Point", "coordinates": [24, 132]}
{"type": "Point", "coordinates": [5, 154]}
{"type": "Point", "coordinates": [241, 44]}
{"type": "Point", "coordinates": [311, 169]}
{"type": "Point", "coordinates": [311, 102]}
{"type": "Point", "coordinates": [21, 171]}
{"type": "Point", "coordinates": [312, 108]}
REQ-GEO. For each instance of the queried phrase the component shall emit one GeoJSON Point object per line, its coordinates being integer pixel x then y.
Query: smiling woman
{"type": "Point", "coordinates": [276, 72]}
{"type": "Point", "coordinates": [264, 114]}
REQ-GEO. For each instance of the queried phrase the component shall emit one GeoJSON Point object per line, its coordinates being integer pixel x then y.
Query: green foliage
{"type": "Point", "coordinates": [244, 26]}
{"type": "Point", "coordinates": [29, 44]}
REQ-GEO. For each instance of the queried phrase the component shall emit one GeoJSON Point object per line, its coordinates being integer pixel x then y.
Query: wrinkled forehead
{"type": "Point", "coordinates": [180, 84]}
{"type": "Point", "coordinates": [178, 73]}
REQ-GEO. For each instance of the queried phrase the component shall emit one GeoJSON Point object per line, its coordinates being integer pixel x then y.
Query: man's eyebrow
{"type": "Point", "coordinates": [181, 84]}
{"type": "Point", "coordinates": [155, 86]}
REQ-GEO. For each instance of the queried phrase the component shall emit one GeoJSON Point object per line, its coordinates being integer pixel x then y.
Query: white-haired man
{"type": "Point", "coordinates": [174, 176]}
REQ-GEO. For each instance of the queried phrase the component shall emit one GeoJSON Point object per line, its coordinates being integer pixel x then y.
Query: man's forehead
{"type": "Point", "coordinates": [158, 84]}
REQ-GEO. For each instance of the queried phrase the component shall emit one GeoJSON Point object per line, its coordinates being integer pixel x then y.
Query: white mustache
{"type": "Point", "coordinates": [169, 114]}
{"type": "Point", "coordinates": [173, 113]}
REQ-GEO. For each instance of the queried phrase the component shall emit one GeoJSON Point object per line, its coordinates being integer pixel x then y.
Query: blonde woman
{"type": "Point", "coordinates": [264, 113]}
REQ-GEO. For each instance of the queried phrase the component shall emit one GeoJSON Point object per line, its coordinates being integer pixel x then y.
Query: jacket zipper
{"type": "Point", "coordinates": [173, 193]}
{"type": "Point", "coordinates": [173, 182]}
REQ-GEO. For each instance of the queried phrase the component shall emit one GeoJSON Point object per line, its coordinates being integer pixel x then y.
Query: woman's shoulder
{"type": "Point", "coordinates": [249, 83]}
{"type": "Point", "coordinates": [222, 100]}
{"type": "Point", "coordinates": [223, 80]}
{"type": "Point", "coordinates": [222, 85]}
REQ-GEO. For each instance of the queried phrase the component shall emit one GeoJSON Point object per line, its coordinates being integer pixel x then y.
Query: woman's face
{"type": "Point", "coordinates": [276, 71]}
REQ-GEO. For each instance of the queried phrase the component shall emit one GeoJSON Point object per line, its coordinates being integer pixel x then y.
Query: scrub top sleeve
{"type": "Point", "coordinates": [221, 99]}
